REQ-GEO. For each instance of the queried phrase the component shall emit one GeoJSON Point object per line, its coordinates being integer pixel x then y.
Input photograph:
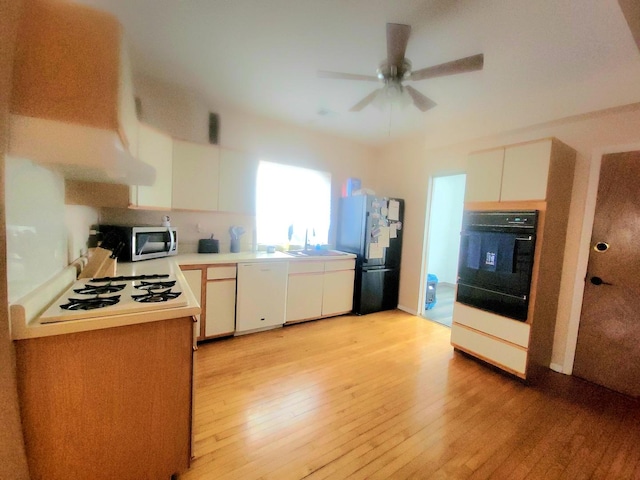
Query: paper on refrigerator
{"type": "Point", "coordinates": [394, 210]}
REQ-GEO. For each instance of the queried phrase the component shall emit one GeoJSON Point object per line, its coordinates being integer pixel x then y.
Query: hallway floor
{"type": "Point", "coordinates": [442, 312]}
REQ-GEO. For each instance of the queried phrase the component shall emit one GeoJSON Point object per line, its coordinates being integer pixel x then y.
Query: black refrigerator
{"type": "Point", "coordinates": [371, 227]}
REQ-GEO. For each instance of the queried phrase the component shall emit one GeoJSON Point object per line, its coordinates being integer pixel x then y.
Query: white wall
{"type": "Point", "coordinates": [185, 115]}
{"type": "Point", "coordinates": [36, 234]}
{"type": "Point", "coordinates": [405, 167]}
{"type": "Point", "coordinates": [445, 219]}
{"type": "Point", "coordinates": [187, 224]}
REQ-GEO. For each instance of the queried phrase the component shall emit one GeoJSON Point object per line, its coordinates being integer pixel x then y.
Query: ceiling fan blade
{"type": "Point", "coordinates": [463, 65]}
{"type": "Point", "coordinates": [419, 100]}
{"type": "Point", "coordinates": [365, 101]}
{"type": "Point", "coordinates": [347, 76]}
{"type": "Point", "coordinates": [397, 39]}
{"type": "Point", "coordinates": [631, 12]}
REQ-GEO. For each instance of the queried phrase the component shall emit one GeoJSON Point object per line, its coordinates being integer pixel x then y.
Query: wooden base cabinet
{"type": "Point", "coordinates": [110, 403]}
{"type": "Point", "coordinates": [194, 279]}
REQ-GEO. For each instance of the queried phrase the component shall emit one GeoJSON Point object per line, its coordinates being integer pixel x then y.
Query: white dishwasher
{"type": "Point", "coordinates": [262, 296]}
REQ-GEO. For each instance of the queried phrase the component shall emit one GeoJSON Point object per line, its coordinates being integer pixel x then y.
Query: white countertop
{"type": "Point", "coordinates": [25, 312]}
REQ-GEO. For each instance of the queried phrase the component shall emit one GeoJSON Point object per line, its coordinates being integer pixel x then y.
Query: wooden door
{"type": "Point", "coordinates": [608, 348]}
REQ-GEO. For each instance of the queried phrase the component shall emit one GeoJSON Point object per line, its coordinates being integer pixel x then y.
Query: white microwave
{"type": "Point", "coordinates": [143, 243]}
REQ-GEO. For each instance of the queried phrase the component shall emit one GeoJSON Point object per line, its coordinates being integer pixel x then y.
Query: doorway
{"type": "Point", "coordinates": [443, 244]}
{"type": "Point", "coordinates": [608, 345]}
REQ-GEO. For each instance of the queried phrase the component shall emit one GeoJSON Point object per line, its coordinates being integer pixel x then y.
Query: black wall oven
{"type": "Point", "coordinates": [496, 260]}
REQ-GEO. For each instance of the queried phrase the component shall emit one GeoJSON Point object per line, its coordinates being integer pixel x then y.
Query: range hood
{"type": "Point", "coordinates": [72, 103]}
{"type": "Point", "coordinates": [77, 151]}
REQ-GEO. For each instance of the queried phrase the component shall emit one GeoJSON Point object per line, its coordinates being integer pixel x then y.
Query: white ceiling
{"type": "Point", "coordinates": [544, 59]}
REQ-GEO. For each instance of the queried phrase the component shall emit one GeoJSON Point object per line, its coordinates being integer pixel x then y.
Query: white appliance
{"type": "Point", "coordinates": [92, 298]}
{"type": "Point", "coordinates": [262, 295]}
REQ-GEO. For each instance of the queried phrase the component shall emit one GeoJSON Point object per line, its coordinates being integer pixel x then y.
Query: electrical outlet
{"type": "Point", "coordinates": [199, 227]}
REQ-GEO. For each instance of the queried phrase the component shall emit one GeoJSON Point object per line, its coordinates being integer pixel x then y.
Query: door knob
{"type": "Point", "coordinates": [598, 281]}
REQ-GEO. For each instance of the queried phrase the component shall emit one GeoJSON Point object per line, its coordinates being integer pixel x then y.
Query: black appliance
{"type": "Point", "coordinates": [371, 227]}
{"type": "Point", "coordinates": [496, 260]}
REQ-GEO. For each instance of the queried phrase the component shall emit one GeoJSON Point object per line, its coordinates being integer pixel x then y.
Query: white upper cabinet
{"type": "Point", "coordinates": [196, 170]}
{"type": "Point", "coordinates": [526, 170]}
{"type": "Point", "coordinates": [155, 148]}
{"type": "Point", "coordinates": [72, 105]}
{"type": "Point", "coordinates": [238, 172]}
{"type": "Point", "coordinates": [513, 173]}
{"type": "Point", "coordinates": [484, 176]}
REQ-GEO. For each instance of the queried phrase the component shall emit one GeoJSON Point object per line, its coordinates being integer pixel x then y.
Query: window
{"type": "Point", "coordinates": [292, 203]}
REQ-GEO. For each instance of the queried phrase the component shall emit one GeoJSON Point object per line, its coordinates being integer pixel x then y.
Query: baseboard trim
{"type": "Point", "coordinates": [408, 310]}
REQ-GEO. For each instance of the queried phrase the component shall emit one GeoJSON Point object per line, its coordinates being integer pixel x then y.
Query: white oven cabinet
{"type": "Point", "coordinates": [484, 176]}
{"type": "Point", "coordinates": [220, 301]}
{"type": "Point", "coordinates": [539, 176]}
{"type": "Point", "coordinates": [513, 173]}
{"type": "Point", "coordinates": [237, 186]}
{"type": "Point", "coordinates": [319, 289]}
{"type": "Point", "coordinates": [262, 292]}
{"type": "Point", "coordinates": [155, 149]}
{"type": "Point", "coordinates": [195, 176]}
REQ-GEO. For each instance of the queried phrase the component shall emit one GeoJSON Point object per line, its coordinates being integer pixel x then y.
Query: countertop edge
{"type": "Point", "coordinates": [24, 319]}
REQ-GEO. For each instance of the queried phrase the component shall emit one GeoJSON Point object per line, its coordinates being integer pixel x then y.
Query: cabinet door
{"type": "Point", "coordinates": [194, 279]}
{"type": "Point", "coordinates": [238, 172]}
{"type": "Point", "coordinates": [484, 176]}
{"type": "Point", "coordinates": [195, 176]}
{"type": "Point", "coordinates": [154, 148]}
{"type": "Point", "coordinates": [304, 296]}
{"type": "Point", "coordinates": [337, 296]}
{"type": "Point", "coordinates": [221, 308]}
{"type": "Point", "coordinates": [526, 170]}
{"type": "Point", "coordinates": [262, 290]}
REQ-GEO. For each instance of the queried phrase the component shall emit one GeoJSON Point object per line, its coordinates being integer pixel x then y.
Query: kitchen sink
{"type": "Point", "coordinates": [315, 253]}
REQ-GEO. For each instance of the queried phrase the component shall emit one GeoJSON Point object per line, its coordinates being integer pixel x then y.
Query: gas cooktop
{"type": "Point", "coordinates": [107, 296]}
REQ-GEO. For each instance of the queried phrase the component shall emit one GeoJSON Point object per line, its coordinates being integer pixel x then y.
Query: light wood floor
{"type": "Point", "coordinates": [385, 396]}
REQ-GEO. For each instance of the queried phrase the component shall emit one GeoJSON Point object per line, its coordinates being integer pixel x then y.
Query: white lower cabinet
{"type": "Point", "coordinates": [320, 289]}
{"type": "Point", "coordinates": [304, 296]}
{"type": "Point", "coordinates": [221, 308]}
{"type": "Point", "coordinates": [262, 295]}
{"type": "Point", "coordinates": [337, 293]}
{"type": "Point", "coordinates": [498, 340]}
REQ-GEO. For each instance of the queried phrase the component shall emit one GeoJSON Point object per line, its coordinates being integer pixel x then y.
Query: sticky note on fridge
{"type": "Point", "coordinates": [375, 251]}
{"type": "Point", "coordinates": [394, 210]}
{"type": "Point", "coordinates": [393, 230]}
{"type": "Point", "coordinates": [383, 238]}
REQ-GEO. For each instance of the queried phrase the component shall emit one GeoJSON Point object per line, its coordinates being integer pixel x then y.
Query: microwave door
{"type": "Point", "coordinates": [155, 243]}
{"type": "Point", "coordinates": [141, 242]}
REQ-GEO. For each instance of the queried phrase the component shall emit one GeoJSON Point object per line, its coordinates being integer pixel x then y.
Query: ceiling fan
{"type": "Point", "coordinates": [396, 69]}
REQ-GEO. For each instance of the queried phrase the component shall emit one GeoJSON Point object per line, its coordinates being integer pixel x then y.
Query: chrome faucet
{"type": "Point", "coordinates": [306, 238]}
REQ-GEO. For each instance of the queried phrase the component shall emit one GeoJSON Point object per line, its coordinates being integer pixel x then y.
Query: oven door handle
{"type": "Point", "coordinates": [172, 239]}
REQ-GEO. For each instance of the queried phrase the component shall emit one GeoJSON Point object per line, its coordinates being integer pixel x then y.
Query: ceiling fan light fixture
{"type": "Point", "coordinates": [392, 94]}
